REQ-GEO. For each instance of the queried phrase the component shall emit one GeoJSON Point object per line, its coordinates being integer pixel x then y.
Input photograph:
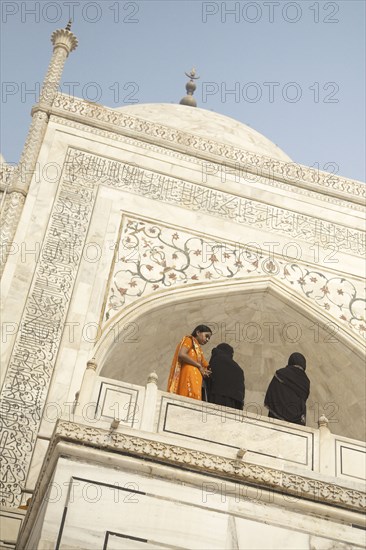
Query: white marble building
{"type": "Point", "coordinates": [122, 230]}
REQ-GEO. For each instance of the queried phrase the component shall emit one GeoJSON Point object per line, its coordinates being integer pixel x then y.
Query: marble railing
{"type": "Point", "coordinates": [196, 464]}
{"type": "Point", "coordinates": [222, 431]}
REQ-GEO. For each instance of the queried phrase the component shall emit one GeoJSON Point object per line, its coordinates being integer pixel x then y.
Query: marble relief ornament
{"type": "Point", "coordinates": [6, 171]}
{"type": "Point", "coordinates": [64, 104]}
{"type": "Point", "coordinates": [256, 173]}
{"type": "Point", "coordinates": [200, 461]}
{"type": "Point", "coordinates": [26, 383]}
{"type": "Point", "coordinates": [37, 343]}
{"type": "Point", "coordinates": [152, 257]}
{"type": "Point", "coordinates": [199, 198]}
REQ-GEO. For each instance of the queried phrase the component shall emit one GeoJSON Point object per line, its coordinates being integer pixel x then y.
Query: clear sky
{"type": "Point", "coordinates": [294, 71]}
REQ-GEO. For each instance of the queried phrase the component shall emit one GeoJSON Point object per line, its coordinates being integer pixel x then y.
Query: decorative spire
{"type": "Point", "coordinates": [64, 42]}
{"type": "Point", "coordinates": [64, 38]}
{"type": "Point", "coordinates": [190, 87]}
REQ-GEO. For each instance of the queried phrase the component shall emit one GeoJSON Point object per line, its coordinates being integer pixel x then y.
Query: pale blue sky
{"type": "Point", "coordinates": [138, 50]}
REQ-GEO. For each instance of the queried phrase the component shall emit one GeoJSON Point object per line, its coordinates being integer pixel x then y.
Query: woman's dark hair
{"type": "Point", "coordinates": [201, 328]}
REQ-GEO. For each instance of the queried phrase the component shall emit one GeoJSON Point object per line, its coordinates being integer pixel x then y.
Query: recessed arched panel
{"type": "Point", "coordinates": [264, 324]}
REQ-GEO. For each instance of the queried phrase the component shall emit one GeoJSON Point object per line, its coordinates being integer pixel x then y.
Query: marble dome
{"type": "Point", "coordinates": [207, 124]}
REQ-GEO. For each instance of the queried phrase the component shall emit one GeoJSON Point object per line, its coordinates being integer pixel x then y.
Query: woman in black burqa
{"type": "Point", "coordinates": [288, 391]}
{"type": "Point", "coordinates": [226, 383]}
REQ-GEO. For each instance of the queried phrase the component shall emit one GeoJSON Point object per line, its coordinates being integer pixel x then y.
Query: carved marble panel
{"type": "Point", "coordinates": [258, 173]}
{"type": "Point", "coordinates": [152, 257]}
{"type": "Point", "coordinates": [350, 459]}
{"type": "Point", "coordinates": [86, 111]}
{"type": "Point", "coordinates": [229, 430]}
{"type": "Point", "coordinates": [169, 260]}
{"type": "Point", "coordinates": [33, 358]}
{"type": "Point", "coordinates": [291, 483]}
{"type": "Point", "coordinates": [117, 400]}
{"type": "Point", "coordinates": [131, 178]}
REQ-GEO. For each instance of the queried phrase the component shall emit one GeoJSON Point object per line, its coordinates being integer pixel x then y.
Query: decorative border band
{"type": "Point", "coordinates": [290, 171]}
{"type": "Point", "coordinates": [236, 170]}
{"type": "Point", "coordinates": [153, 256]}
{"type": "Point", "coordinates": [268, 478]}
{"type": "Point", "coordinates": [82, 166]}
{"type": "Point", "coordinates": [33, 358]}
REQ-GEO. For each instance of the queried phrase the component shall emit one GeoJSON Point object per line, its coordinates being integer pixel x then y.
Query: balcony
{"type": "Point", "coordinates": [227, 469]}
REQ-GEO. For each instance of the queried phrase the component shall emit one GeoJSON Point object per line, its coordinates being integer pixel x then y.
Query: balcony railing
{"type": "Point", "coordinates": [220, 430]}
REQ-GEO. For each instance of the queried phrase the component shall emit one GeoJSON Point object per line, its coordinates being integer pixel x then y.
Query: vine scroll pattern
{"type": "Point", "coordinates": [151, 257]}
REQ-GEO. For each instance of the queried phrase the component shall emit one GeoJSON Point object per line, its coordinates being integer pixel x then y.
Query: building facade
{"type": "Point", "coordinates": [123, 229]}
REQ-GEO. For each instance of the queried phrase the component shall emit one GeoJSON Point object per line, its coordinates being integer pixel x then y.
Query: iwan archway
{"type": "Point", "coordinates": [264, 323]}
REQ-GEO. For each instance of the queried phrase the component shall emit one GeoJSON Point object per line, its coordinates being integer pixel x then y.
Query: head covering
{"type": "Point", "coordinates": [225, 348]}
{"type": "Point", "coordinates": [227, 377]}
{"type": "Point", "coordinates": [288, 391]}
{"type": "Point", "coordinates": [297, 359]}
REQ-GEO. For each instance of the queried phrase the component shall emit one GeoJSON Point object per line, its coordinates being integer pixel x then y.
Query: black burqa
{"type": "Point", "coordinates": [225, 386]}
{"type": "Point", "coordinates": [288, 391]}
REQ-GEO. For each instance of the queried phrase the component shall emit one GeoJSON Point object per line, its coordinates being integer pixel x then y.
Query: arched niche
{"type": "Point", "coordinates": [264, 323]}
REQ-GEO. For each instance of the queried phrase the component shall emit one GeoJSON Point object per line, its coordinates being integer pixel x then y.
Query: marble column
{"type": "Point", "coordinates": [64, 42]}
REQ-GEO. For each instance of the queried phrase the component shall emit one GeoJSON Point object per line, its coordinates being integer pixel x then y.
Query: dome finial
{"type": "Point", "coordinates": [190, 87]}
{"type": "Point", "coordinates": [68, 26]}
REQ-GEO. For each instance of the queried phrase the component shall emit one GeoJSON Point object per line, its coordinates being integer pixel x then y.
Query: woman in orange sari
{"type": "Point", "coordinates": [189, 365]}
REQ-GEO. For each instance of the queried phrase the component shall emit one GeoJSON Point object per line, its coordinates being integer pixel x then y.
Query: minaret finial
{"type": "Point", "coordinates": [64, 38]}
{"type": "Point", "coordinates": [190, 87]}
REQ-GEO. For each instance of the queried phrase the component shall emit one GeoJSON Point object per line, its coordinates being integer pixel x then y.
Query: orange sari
{"type": "Point", "coordinates": [186, 379]}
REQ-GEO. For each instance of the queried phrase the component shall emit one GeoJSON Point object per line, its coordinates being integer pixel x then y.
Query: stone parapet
{"type": "Point", "coordinates": [84, 458]}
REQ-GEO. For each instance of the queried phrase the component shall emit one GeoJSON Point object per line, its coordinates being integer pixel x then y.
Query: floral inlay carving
{"type": "Point", "coordinates": [152, 257]}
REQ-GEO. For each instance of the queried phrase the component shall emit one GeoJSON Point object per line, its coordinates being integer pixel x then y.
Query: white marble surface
{"type": "Point", "coordinates": [165, 521]}
{"type": "Point", "coordinates": [114, 399]}
{"type": "Point", "coordinates": [91, 279]}
{"type": "Point", "coordinates": [215, 426]}
{"type": "Point", "coordinates": [258, 536]}
{"type": "Point", "coordinates": [116, 542]}
{"type": "Point", "coordinates": [350, 459]}
{"type": "Point", "coordinates": [207, 124]}
{"type": "Point", "coordinates": [10, 524]}
{"type": "Point", "coordinates": [39, 453]}
{"type": "Point", "coordinates": [158, 508]}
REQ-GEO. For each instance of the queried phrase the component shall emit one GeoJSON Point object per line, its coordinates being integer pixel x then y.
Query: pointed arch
{"type": "Point", "coordinates": [113, 329]}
